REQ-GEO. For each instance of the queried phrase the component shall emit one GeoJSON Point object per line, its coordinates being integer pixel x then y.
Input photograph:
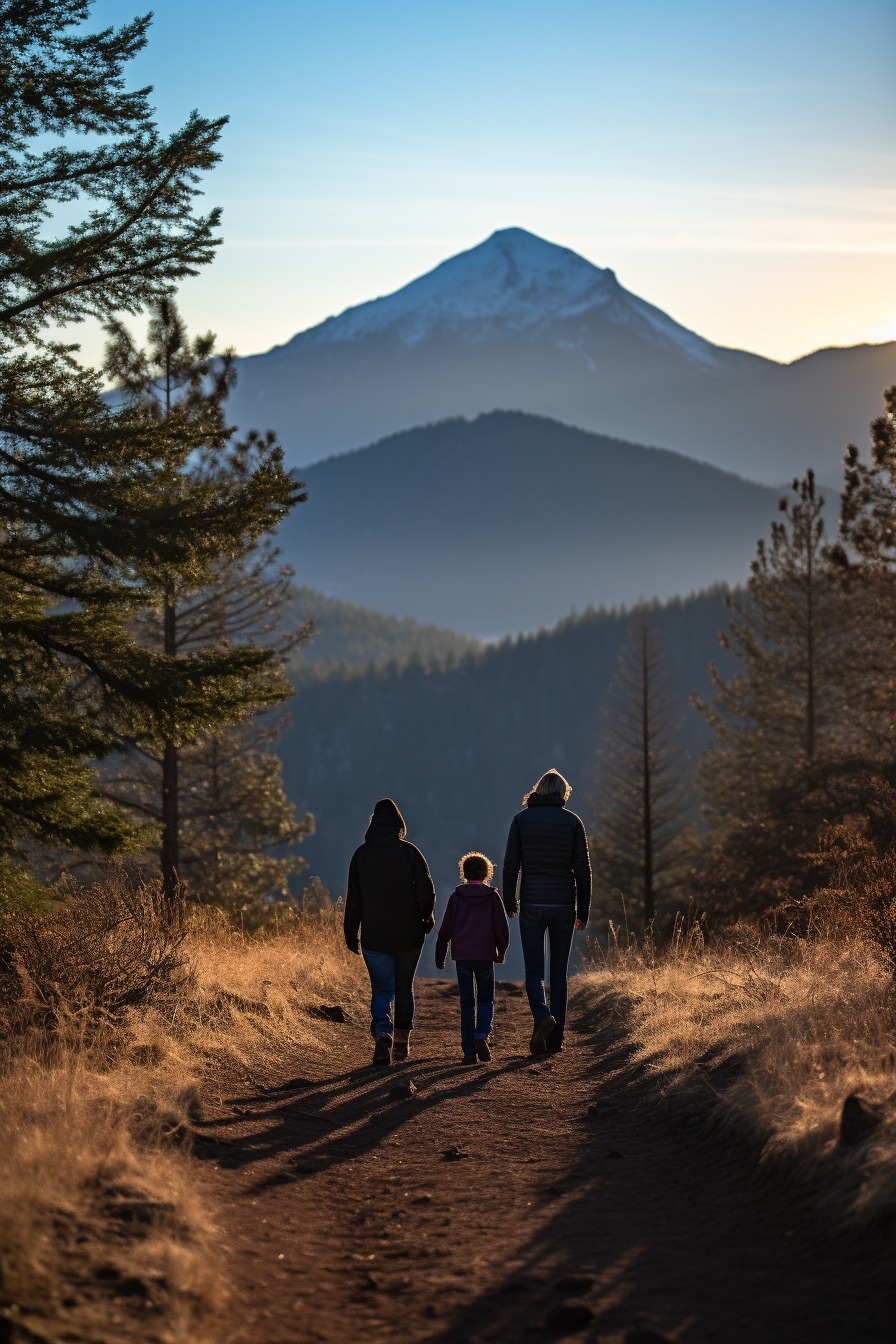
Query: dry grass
{"type": "Point", "coordinates": [769, 1035]}
{"type": "Point", "coordinates": [108, 1224]}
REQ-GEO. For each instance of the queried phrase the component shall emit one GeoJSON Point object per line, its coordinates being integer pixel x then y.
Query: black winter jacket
{"type": "Point", "coordinates": [550, 846]}
{"type": "Point", "coordinates": [390, 897]}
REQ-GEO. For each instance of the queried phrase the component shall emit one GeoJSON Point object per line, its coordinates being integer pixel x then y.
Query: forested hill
{"type": "Point", "coordinates": [508, 522]}
{"type": "Point", "coordinates": [354, 635]}
{"type": "Point", "coordinates": [456, 747]}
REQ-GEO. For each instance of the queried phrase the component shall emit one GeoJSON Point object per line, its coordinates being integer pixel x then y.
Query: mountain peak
{"type": "Point", "coordinates": [515, 282]}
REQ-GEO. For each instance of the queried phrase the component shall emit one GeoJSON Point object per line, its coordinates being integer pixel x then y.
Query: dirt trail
{"type": "Point", "coordinates": [344, 1220]}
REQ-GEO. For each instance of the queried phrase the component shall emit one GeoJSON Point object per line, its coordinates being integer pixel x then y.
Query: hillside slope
{"type": "Point", "coordinates": [508, 522]}
{"type": "Point", "coordinates": [519, 322]}
{"type": "Point", "coordinates": [357, 636]}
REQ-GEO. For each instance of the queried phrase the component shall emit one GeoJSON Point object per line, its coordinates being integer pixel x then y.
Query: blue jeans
{"type": "Point", "coordinates": [477, 1009]}
{"type": "Point", "coordinates": [391, 977]}
{"type": "Point", "coordinates": [559, 922]}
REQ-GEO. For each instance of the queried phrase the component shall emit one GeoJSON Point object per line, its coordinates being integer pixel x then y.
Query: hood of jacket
{"type": "Point", "coordinates": [475, 892]}
{"type": "Point", "coordinates": [386, 824]}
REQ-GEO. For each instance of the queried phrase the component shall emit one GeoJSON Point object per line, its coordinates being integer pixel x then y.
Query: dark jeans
{"type": "Point", "coordinates": [559, 922]}
{"type": "Point", "coordinates": [391, 977]}
{"type": "Point", "coordinates": [477, 1009]}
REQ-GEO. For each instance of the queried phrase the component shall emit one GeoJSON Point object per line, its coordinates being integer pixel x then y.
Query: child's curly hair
{"type": "Point", "coordinates": [475, 867]}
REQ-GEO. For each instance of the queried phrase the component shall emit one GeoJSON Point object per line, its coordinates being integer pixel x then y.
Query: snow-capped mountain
{"type": "Point", "coordinates": [520, 323]}
{"type": "Point", "coordinates": [514, 281]}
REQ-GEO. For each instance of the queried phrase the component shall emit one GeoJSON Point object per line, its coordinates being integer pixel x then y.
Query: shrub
{"type": "Point", "coordinates": [860, 895]}
{"type": "Point", "coordinates": [107, 946]}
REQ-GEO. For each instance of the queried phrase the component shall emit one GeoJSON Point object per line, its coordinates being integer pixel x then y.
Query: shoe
{"type": "Point", "coordinates": [470, 1057]}
{"type": "Point", "coordinates": [483, 1054]}
{"type": "Point", "coordinates": [540, 1035]}
{"type": "Point", "coordinates": [383, 1051]}
{"type": "Point", "coordinates": [554, 1048]}
{"type": "Point", "coordinates": [401, 1045]}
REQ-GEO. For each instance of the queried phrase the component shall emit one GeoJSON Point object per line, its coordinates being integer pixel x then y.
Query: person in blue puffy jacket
{"type": "Point", "coordinates": [547, 858]}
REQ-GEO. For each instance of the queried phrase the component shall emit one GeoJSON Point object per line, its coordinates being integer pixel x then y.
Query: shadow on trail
{"type": "Point", "coordinates": [318, 1126]}
{"type": "Point", "coordinates": [592, 1273]}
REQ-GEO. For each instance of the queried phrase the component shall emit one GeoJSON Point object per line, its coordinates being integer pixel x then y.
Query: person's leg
{"type": "Point", "coordinates": [381, 969]}
{"type": "Point", "coordinates": [405, 970]}
{"type": "Point", "coordinates": [485, 1008]}
{"type": "Point", "coordinates": [532, 930]}
{"type": "Point", "coordinates": [532, 940]}
{"type": "Point", "coordinates": [561, 927]}
{"type": "Point", "coordinates": [467, 1005]}
{"type": "Point", "coordinates": [485, 999]}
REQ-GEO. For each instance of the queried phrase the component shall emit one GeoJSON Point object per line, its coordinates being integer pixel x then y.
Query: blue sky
{"type": "Point", "coordinates": [734, 163]}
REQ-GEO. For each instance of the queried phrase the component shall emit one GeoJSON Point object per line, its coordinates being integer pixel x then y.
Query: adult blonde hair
{"type": "Point", "coordinates": [481, 862]}
{"type": "Point", "coordinates": [551, 782]}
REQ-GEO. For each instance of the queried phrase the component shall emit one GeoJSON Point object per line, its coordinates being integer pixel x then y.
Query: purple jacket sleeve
{"type": "Point", "coordinates": [446, 928]}
{"type": "Point", "coordinates": [502, 928]}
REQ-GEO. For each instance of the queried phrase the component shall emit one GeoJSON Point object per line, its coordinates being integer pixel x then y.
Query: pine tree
{"type": "Point", "coordinates": [643, 839]}
{"type": "Point", "coordinates": [143, 236]}
{"type": "Point", "coordinates": [779, 722]}
{"type": "Point", "coordinates": [231, 807]}
{"type": "Point", "coordinates": [238, 823]}
{"type": "Point", "coordinates": [865, 560]}
{"type": "Point", "coordinates": [92, 513]}
{"type": "Point", "coordinates": [173, 375]}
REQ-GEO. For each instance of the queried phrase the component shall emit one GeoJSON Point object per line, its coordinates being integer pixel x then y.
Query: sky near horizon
{"type": "Point", "coordinates": [732, 162]}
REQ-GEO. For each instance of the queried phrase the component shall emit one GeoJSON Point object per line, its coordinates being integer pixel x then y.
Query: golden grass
{"type": "Point", "coordinates": [770, 1035]}
{"type": "Point", "coordinates": [108, 1221]}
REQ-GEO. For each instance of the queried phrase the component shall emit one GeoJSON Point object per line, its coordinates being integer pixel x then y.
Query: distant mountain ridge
{"type": "Point", "coordinates": [520, 323]}
{"type": "Point", "coordinates": [507, 522]}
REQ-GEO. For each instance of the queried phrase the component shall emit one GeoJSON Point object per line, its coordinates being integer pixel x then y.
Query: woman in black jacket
{"type": "Point", "coordinates": [389, 902]}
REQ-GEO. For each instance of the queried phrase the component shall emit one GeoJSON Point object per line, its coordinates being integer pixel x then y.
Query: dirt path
{"type": "Point", "coordinates": [346, 1221]}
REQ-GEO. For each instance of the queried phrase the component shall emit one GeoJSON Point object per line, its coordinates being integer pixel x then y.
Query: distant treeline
{"type": "Point", "coordinates": [456, 745]}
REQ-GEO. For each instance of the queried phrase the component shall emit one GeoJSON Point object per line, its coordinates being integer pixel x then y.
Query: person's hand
{"type": "Point", "coordinates": [440, 965]}
{"type": "Point", "coordinates": [512, 914]}
{"type": "Point", "coordinates": [354, 947]}
{"type": "Point", "coordinates": [580, 923]}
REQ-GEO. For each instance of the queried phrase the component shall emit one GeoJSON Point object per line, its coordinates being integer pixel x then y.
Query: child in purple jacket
{"type": "Point", "coordinates": [475, 924]}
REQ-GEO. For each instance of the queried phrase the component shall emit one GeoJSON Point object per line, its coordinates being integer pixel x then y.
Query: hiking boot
{"type": "Point", "coordinates": [483, 1054]}
{"type": "Point", "coordinates": [382, 1053]}
{"type": "Point", "coordinates": [470, 1057]}
{"type": "Point", "coordinates": [554, 1043]}
{"type": "Point", "coordinates": [540, 1035]}
{"type": "Point", "coordinates": [401, 1045]}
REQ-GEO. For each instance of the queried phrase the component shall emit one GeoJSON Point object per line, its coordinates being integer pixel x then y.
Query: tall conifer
{"type": "Point", "coordinates": [640, 850]}
{"type": "Point", "coordinates": [779, 721]}
{"type": "Point", "coordinates": [865, 559]}
{"type": "Point", "coordinates": [235, 822]}
{"type": "Point", "coordinates": [172, 376]}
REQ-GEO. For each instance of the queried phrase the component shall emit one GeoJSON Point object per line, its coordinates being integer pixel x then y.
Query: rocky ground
{"type": "Point", "coordinates": [552, 1199]}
